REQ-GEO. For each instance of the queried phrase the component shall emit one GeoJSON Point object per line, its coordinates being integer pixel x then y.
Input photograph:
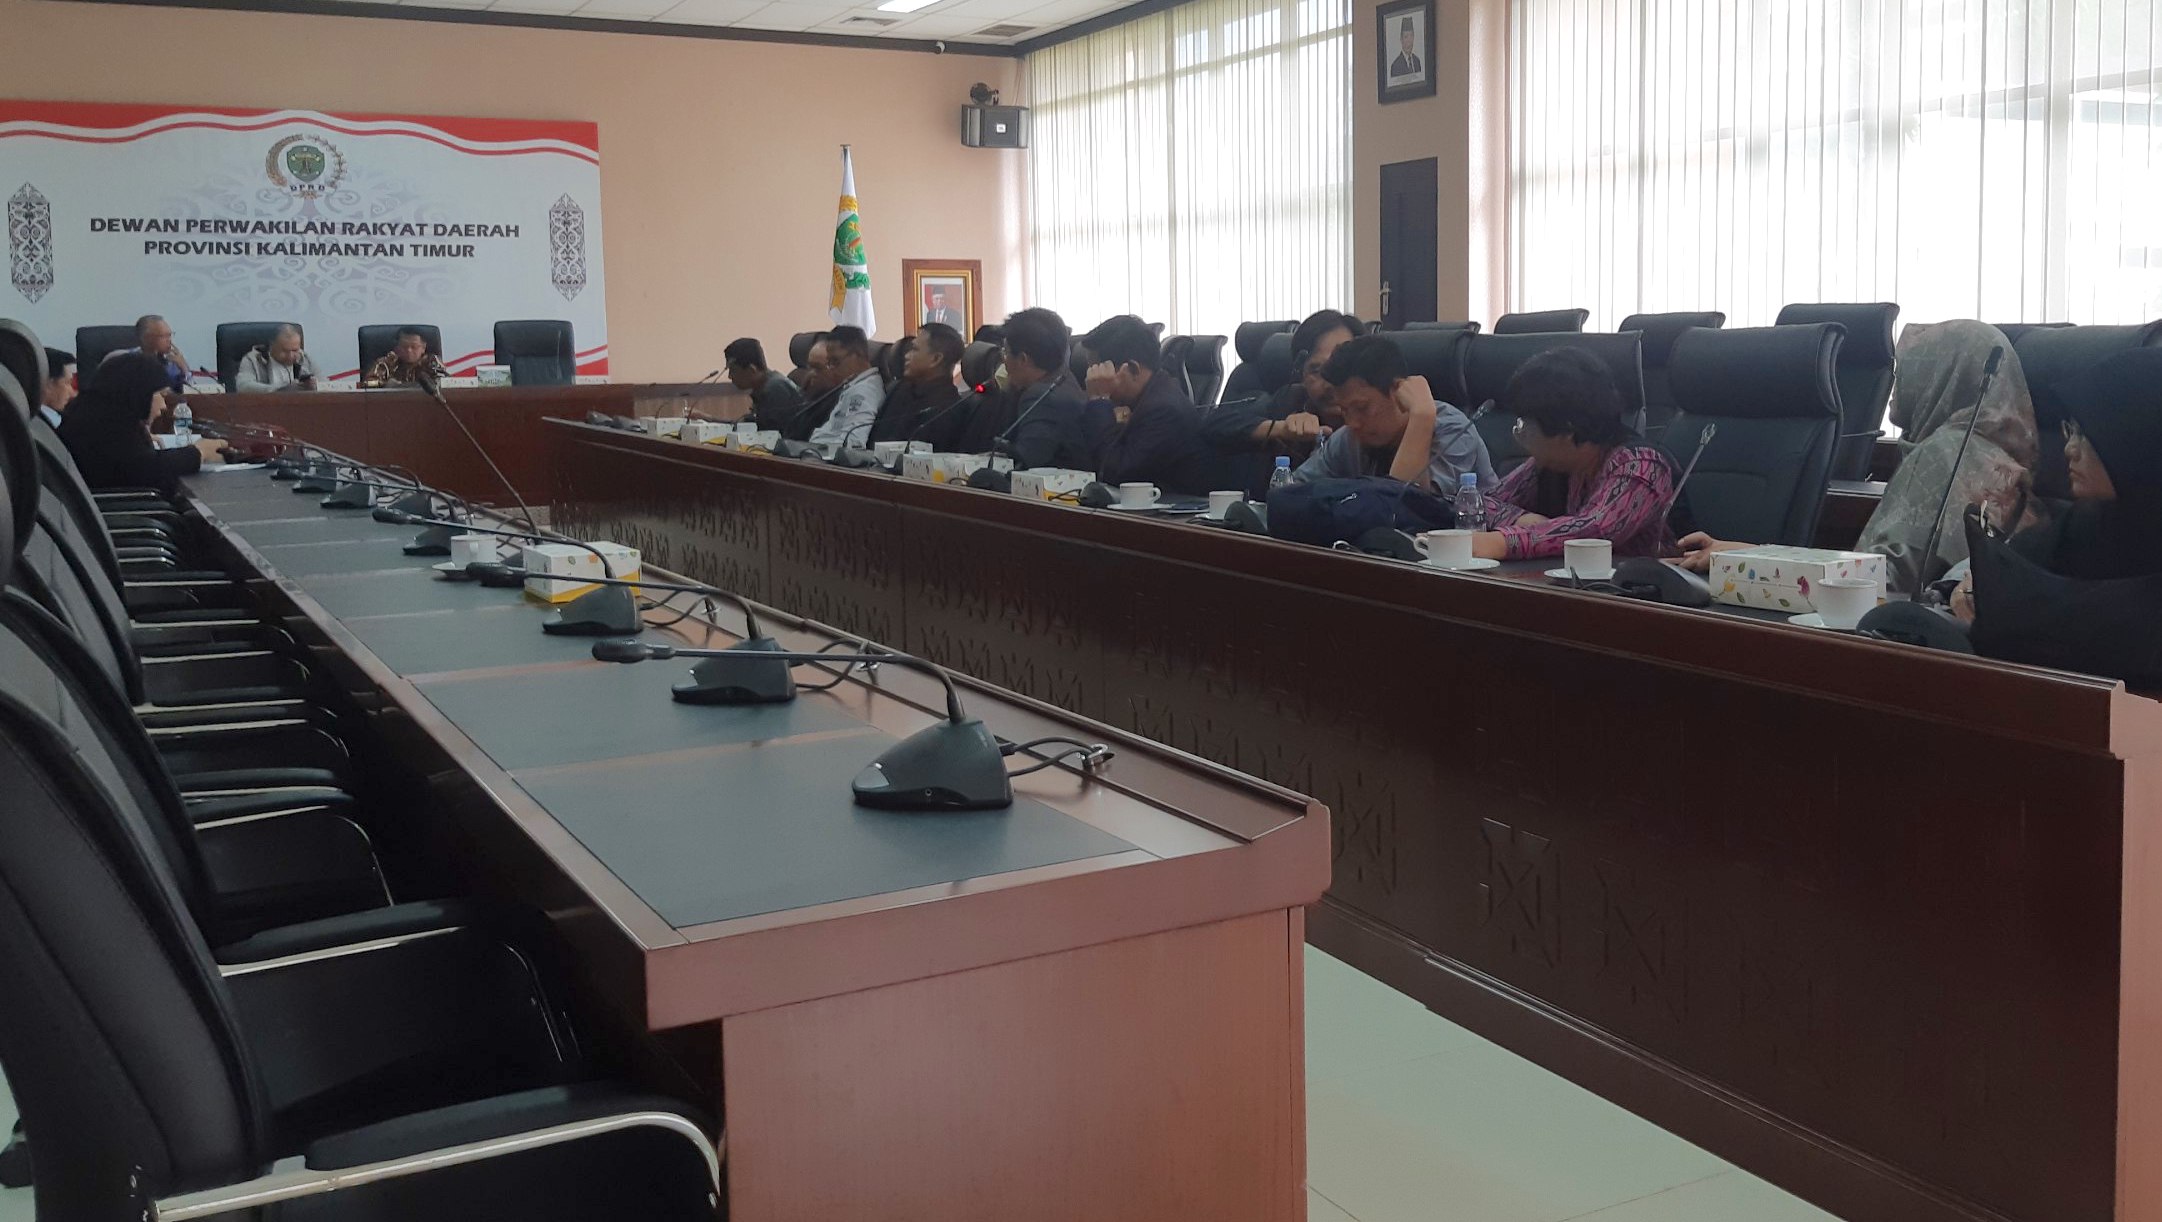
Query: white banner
{"type": "Point", "coordinates": [329, 221]}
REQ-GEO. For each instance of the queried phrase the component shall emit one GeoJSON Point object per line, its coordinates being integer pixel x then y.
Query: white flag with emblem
{"type": "Point", "coordinates": [851, 303]}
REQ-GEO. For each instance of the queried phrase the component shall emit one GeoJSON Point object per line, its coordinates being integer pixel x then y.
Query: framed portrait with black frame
{"type": "Point", "coordinates": [1404, 50]}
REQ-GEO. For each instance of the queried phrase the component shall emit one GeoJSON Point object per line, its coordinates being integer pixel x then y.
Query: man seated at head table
{"type": "Point", "coordinates": [1293, 420]}
{"type": "Point", "coordinates": [278, 365]}
{"type": "Point", "coordinates": [154, 337]}
{"type": "Point", "coordinates": [405, 363]}
{"type": "Point", "coordinates": [1037, 417]}
{"type": "Point", "coordinates": [774, 399]}
{"type": "Point", "coordinates": [59, 388]}
{"type": "Point", "coordinates": [1589, 476]}
{"type": "Point", "coordinates": [921, 405]}
{"type": "Point", "coordinates": [1392, 425]}
{"type": "Point", "coordinates": [840, 368]}
{"type": "Point", "coordinates": [1148, 428]}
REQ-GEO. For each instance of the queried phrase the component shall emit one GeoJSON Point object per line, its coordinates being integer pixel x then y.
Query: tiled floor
{"type": "Point", "coordinates": [1413, 1119]}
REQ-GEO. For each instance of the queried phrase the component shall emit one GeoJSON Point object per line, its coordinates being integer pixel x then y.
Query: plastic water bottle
{"type": "Point", "coordinates": [1281, 477]}
{"type": "Point", "coordinates": [1470, 504]}
{"type": "Point", "coordinates": [183, 421]}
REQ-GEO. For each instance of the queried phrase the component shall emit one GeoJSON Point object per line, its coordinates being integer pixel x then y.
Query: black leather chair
{"type": "Point", "coordinates": [979, 363]}
{"type": "Point", "coordinates": [1246, 340]}
{"type": "Point", "coordinates": [1660, 331]}
{"type": "Point", "coordinates": [799, 354]}
{"type": "Point", "coordinates": [1491, 360]}
{"type": "Point", "coordinates": [1472, 327]}
{"type": "Point", "coordinates": [234, 341]}
{"type": "Point", "coordinates": [94, 344]}
{"type": "Point", "coordinates": [377, 339]}
{"type": "Point", "coordinates": [1172, 361]}
{"type": "Point", "coordinates": [1205, 369]}
{"type": "Point", "coordinates": [539, 351]}
{"type": "Point", "coordinates": [989, 333]}
{"type": "Point", "coordinates": [1774, 395]}
{"type": "Point", "coordinates": [2013, 330]}
{"type": "Point", "coordinates": [1437, 356]}
{"type": "Point", "coordinates": [1541, 322]}
{"type": "Point", "coordinates": [1272, 364]}
{"type": "Point", "coordinates": [2056, 360]}
{"type": "Point", "coordinates": [1865, 375]}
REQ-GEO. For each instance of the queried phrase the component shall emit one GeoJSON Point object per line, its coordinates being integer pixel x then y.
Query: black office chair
{"type": "Point", "coordinates": [1205, 369]}
{"type": "Point", "coordinates": [1541, 322]}
{"type": "Point", "coordinates": [799, 354]}
{"type": "Point", "coordinates": [1437, 356]}
{"type": "Point", "coordinates": [377, 340]}
{"type": "Point", "coordinates": [235, 339]}
{"type": "Point", "coordinates": [94, 344]}
{"type": "Point", "coordinates": [1171, 362]}
{"type": "Point", "coordinates": [1773, 393]}
{"type": "Point", "coordinates": [1865, 375]}
{"type": "Point", "coordinates": [1272, 364]}
{"type": "Point", "coordinates": [1246, 340]}
{"type": "Point", "coordinates": [989, 333]}
{"type": "Point", "coordinates": [1472, 327]}
{"type": "Point", "coordinates": [2013, 330]}
{"type": "Point", "coordinates": [1491, 360]}
{"type": "Point", "coordinates": [1660, 331]}
{"type": "Point", "coordinates": [539, 351]}
{"type": "Point", "coordinates": [979, 363]}
{"type": "Point", "coordinates": [2056, 360]}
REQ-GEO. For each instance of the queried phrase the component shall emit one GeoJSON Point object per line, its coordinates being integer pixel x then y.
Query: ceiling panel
{"type": "Point", "coordinates": [711, 12]}
{"type": "Point", "coordinates": [946, 19]}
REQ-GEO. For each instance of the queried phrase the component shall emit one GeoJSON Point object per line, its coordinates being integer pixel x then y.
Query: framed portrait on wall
{"type": "Point", "coordinates": [1404, 50]}
{"type": "Point", "coordinates": [945, 290]}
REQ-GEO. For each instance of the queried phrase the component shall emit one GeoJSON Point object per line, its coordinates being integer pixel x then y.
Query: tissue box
{"type": "Point", "coordinates": [950, 468]}
{"type": "Point", "coordinates": [570, 569]}
{"type": "Point", "coordinates": [1050, 483]}
{"type": "Point", "coordinates": [706, 432]}
{"type": "Point", "coordinates": [1781, 578]}
{"type": "Point", "coordinates": [668, 426]}
{"type": "Point", "coordinates": [476, 549]}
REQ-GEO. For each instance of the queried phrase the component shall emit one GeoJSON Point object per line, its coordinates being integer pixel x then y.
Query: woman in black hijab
{"type": "Point", "coordinates": [107, 429]}
{"type": "Point", "coordinates": [2113, 444]}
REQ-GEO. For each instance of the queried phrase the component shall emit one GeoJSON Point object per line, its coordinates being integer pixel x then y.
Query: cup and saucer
{"type": "Point", "coordinates": [1585, 560]}
{"type": "Point", "coordinates": [1450, 551]}
{"type": "Point", "coordinates": [1138, 498]}
{"type": "Point", "coordinates": [1220, 504]}
{"type": "Point", "coordinates": [1840, 603]}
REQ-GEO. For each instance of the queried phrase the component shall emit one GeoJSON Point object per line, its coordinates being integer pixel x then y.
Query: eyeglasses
{"type": "Point", "coordinates": [2072, 435]}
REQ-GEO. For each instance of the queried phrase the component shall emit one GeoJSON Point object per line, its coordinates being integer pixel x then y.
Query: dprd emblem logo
{"type": "Point", "coordinates": [306, 166]}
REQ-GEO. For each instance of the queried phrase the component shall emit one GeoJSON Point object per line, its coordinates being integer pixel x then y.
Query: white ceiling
{"type": "Point", "coordinates": [960, 20]}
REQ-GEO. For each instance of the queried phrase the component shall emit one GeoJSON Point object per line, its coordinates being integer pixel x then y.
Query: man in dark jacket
{"type": "Point", "coordinates": [1150, 429]}
{"type": "Point", "coordinates": [922, 398]}
{"type": "Point", "coordinates": [1036, 419]}
{"type": "Point", "coordinates": [1250, 434]}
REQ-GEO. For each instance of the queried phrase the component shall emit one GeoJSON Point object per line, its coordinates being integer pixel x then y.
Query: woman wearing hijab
{"type": "Point", "coordinates": [1937, 395]}
{"type": "Point", "coordinates": [107, 428]}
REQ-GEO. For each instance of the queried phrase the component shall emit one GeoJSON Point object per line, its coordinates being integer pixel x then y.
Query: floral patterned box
{"type": "Point", "coordinates": [1781, 578]}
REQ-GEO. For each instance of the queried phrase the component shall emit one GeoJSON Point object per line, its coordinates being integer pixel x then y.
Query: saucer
{"type": "Point", "coordinates": [1477, 564]}
{"type": "Point", "coordinates": [1566, 575]}
{"type": "Point", "coordinates": [1810, 619]}
{"type": "Point", "coordinates": [448, 569]}
{"type": "Point", "coordinates": [1138, 508]}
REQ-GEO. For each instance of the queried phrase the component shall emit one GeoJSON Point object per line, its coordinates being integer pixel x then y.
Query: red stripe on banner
{"type": "Point", "coordinates": [113, 115]}
{"type": "Point", "coordinates": [576, 155]}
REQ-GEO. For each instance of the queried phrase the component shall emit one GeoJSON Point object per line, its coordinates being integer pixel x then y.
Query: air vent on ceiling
{"type": "Point", "coordinates": [1003, 31]}
{"type": "Point", "coordinates": [880, 22]}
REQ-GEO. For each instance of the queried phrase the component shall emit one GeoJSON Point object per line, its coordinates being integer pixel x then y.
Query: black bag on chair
{"type": "Point", "coordinates": [1329, 511]}
{"type": "Point", "coordinates": [2025, 613]}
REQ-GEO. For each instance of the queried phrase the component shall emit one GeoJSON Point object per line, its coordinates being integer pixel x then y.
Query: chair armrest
{"type": "Point", "coordinates": [207, 811]}
{"type": "Point", "coordinates": [374, 925]}
{"type": "Point", "coordinates": [454, 1136]}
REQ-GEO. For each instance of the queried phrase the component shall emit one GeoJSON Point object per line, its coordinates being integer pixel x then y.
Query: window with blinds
{"type": "Point", "coordinates": [1194, 166]}
{"type": "Point", "coordinates": [1997, 159]}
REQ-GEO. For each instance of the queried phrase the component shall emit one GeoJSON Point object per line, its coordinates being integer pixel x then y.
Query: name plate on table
{"type": "Point", "coordinates": [1783, 578]}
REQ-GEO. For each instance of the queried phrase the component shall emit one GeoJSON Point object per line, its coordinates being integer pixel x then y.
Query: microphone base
{"type": "Point", "coordinates": [434, 541]}
{"type": "Point", "coordinates": [740, 676]}
{"type": "Point", "coordinates": [604, 611]}
{"type": "Point", "coordinates": [312, 483]}
{"type": "Point", "coordinates": [350, 496]}
{"type": "Point", "coordinates": [949, 766]}
{"type": "Point", "coordinates": [284, 471]}
{"type": "Point", "coordinates": [419, 504]}
{"type": "Point", "coordinates": [504, 581]}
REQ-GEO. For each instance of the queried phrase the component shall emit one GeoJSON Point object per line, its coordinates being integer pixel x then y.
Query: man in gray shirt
{"type": "Point", "coordinates": [280, 364]}
{"type": "Point", "coordinates": [842, 358]}
{"type": "Point", "coordinates": [1393, 426]}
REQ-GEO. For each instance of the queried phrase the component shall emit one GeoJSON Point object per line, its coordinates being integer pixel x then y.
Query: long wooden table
{"type": "Point", "coordinates": [1878, 924]}
{"type": "Point", "coordinates": [403, 428]}
{"type": "Point", "coordinates": [1085, 1007]}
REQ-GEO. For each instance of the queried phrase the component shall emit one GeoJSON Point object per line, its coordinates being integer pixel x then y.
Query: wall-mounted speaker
{"type": "Point", "coordinates": [994, 127]}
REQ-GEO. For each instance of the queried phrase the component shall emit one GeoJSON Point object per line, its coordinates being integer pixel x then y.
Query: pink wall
{"type": "Point", "coordinates": [720, 159]}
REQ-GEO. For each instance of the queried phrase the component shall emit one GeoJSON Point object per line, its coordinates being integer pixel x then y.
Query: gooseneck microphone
{"type": "Point", "coordinates": [765, 691]}
{"type": "Point", "coordinates": [954, 765]}
{"type": "Point", "coordinates": [428, 383]}
{"type": "Point", "coordinates": [610, 610]}
{"type": "Point", "coordinates": [1925, 593]}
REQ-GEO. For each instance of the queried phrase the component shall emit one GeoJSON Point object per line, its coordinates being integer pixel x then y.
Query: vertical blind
{"type": "Point", "coordinates": [1994, 159]}
{"type": "Point", "coordinates": [1194, 166]}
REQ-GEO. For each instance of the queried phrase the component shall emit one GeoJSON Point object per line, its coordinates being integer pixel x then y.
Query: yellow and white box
{"type": "Point", "coordinates": [668, 426]}
{"type": "Point", "coordinates": [1050, 483]}
{"type": "Point", "coordinates": [1781, 578]}
{"type": "Point", "coordinates": [706, 432]}
{"type": "Point", "coordinates": [950, 468]}
{"type": "Point", "coordinates": [559, 572]}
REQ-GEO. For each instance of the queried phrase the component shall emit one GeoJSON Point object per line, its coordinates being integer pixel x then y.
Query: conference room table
{"type": "Point", "coordinates": [1879, 924]}
{"type": "Point", "coordinates": [1085, 1006]}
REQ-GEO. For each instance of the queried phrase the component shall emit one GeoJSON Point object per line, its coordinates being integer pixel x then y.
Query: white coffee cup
{"type": "Point", "coordinates": [1446, 549]}
{"type": "Point", "coordinates": [1220, 503]}
{"type": "Point", "coordinates": [475, 549]}
{"type": "Point", "coordinates": [1134, 496]}
{"type": "Point", "coordinates": [1590, 559]}
{"type": "Point", "coordinates": [1842, 601]}
{"type": "Point", "coordinates": [889, 452]}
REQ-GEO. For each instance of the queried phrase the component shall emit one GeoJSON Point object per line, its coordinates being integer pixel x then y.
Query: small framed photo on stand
{"type": "Point", "coordinates": [1404, 50]}
{"type": "Point", "coordinates": [945, 290]}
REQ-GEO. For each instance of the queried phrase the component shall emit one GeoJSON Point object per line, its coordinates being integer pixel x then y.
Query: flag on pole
{"type": "Point", "coordinates": [851, 304]}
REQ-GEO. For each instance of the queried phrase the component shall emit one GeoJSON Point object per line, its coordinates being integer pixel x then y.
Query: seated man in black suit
{"type": "Point", "coordinates": [1037, 418]}
{"type": "Point", "coordinates": [920, 407]}
{"type": "Point", "coordinates": [1150, 430]}
{"type": "Point", "coordinates": [1251, 433]}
